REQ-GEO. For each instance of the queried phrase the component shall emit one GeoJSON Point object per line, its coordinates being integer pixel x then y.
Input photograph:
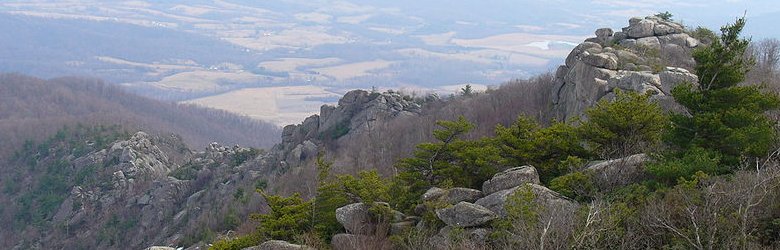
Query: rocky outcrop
{"type": "Point", "coordinates": [510, 178]}
{"type": "Point", "coordinates": [356, 113]}
{"type": "Point", "coordinates": [648, 56]}
{"type": "Point", "coordinates": [465, 214]}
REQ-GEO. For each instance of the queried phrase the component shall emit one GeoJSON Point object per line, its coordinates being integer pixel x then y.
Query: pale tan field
{"type": "Point", "coordinates": [352, 70]}
{"type": "Point", "coordinates": [205, 80]}
{"type": "Point", "coordinates": [292, 64]}
{"type": "Point", "coordinates": [279, 105]}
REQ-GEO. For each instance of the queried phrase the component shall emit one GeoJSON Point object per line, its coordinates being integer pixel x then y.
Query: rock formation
{"type": "Point", "coordinates": [649, 56]}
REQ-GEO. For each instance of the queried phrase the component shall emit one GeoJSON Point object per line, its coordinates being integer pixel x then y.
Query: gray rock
{"type": "Point", "coordinates": [456, 195]}
{"type": "Point", "coordinates": [604, 33]}
{"type": "Point", "coordinates": [601, 60]}
{"type": "Point", "coordinates": [401, 227]}
{"type": "Point", "coordinates": [433, 194]}
{"type": "Point", "coordinates": [575, 53]}
{"type": "Point", "coordinates": [640, 29]}
{"type": "Point", "coordinates": [359, 242]}
{"type": "Point", "coordinates": [649, 42]}
{"type": "Point", "coordinates": [618, 172]}
{"type": "Point", "coordinates": [510, 178]}
{"type": "Point", "coordinates": [635, 81]}
{"type": "Point", "coordinates": [543, 196]}
{"type": "Point", "coordinates": [691, 42]}
{"type": "Point", "coordinates": [159, 248]}
{"type": "Point", "coordinates": [356, 219]}
{"type": "Point", "coordinates": [671, 77]}
{"type": "Point", "coordinates": [662, 30]}
{"type": "Point", "coordinates": [278, 245]}
{"type": "Point", "coordinates": [628, 43]}
{"type": "Point", "coordinates": [618, 36]}
{"type": "Point", "coordinates": [465, 214]}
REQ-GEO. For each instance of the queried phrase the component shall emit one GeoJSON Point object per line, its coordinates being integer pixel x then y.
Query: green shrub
{"type": "Point", "coordinates": [576, 185]}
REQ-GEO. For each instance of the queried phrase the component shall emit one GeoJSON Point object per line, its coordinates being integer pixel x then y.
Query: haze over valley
{"type": "Point", "coordinates": [279, 61]}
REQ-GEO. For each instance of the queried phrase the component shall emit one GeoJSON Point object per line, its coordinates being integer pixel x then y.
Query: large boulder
{"type": "Point", "coordinates": [356, 219]}
{"type": "Point", "coordinates": [640, 29]}
{"type": "Point", "coordinates": [510, 178]}
{"type": "Point", "coordinates": [458, 194]}
{"type": "Point", "coordinates": [601, 60]}
{"type": "Point", "coordinates": [433, 194]}
{"type": "Point", "coordinates": [359, 242]}
{"type": "Point", "coordinates": [465, 214]}
{"type": "Point", "coordinates": [543, 196]}
{"type": "Point", "coordinates": [278, 245]}
{"type": "Point", "coordinates": [671, 77]}
{"type": "Point", "coordinates": [619, 172]}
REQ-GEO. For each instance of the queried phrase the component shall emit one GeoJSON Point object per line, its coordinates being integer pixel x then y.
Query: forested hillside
{"type": "Point", "coordinates": [33, 109]}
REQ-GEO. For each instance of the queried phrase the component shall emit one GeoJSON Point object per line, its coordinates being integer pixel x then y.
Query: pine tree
{"type": "Point", "coordinates": [724, 117]}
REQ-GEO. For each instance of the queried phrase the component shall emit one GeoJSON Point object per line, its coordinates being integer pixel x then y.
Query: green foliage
{"type": "Point", "coordinates": [237, 243]}
{"type": "Point", "coordinates": [201, 233]}
{"type": "Point", "coordinates": [242, 156]}
{"type": "Point", "coordinates": [704, 35]}
{"type": "Point", "coordinates": [467, 91]}
{"type": "Point", "coordinates": [241, 196]}
{"type": "Point", "coordinates": [187, 172]}
{"type": "Point", "coordinates": [576, 185]}
{"type": "Point", "coordinates": [289, 216]}
{"type": "Point", "coordinates": [230, 220]}
{"type": "Point", "coordinates": [666, 16]}
{"type": "Point", "coordinates": [450, 159]}
{"type": "Point", "coordinates": [368, 187]}
{"type": "Point", "coordinates": [336, 131]}
{"type": "Point", "coordinates": [672, 168]}
{"type": "Point", "coordinates": [549, 149]}
{"type": "Point", "coordinates": [521, 212]}
{"type": "Point", "coordinates": [628, 125]}
{"type": "Point", "coordinates": [723, 116]}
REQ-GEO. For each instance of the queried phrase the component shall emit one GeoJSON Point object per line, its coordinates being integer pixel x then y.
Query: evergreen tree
{"type": "Point", "coordinates": [628, 125]}
{"type": "Point", "coordinates": [724, 117]}
{"type": "Point", "coordinates": [289, 217]}
{"type": "Point", "coordinates": [551, 149]}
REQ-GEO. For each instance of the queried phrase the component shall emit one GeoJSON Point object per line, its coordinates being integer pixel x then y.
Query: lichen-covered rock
{"type": "Point", "coordinates": [356, 219]}
{"type": "Point", "coordinates": [465, 214]}
{"type": "Point", "coordinates": [433, 194]}
{"type": "Point", "coordinates": [543, 196]}
{"type": "Point", "coordinates": [458, 194]}
{"type": "Point", "coordinates": [671, 77]}
{"type": "Point", "coordinates": [601, 60]}
{"type": "Point", "coordinates": [510, 178]}
{"type": "Point", "coordinates": [640, 29]}
{"type": "Point", "coordinates": [618, 172]}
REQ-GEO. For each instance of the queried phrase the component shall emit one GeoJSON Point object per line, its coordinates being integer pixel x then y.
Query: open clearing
{"type": "Point", "coordinates": [279, 105]}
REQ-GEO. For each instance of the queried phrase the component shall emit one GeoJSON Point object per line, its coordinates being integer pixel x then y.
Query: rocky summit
{"type": "Point", "coordinates": [650, 55]}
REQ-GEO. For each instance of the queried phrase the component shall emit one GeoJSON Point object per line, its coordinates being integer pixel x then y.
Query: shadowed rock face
{"type": "Point", "coordinates": [638, 58]}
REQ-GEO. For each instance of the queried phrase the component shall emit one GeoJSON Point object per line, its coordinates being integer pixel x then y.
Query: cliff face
{"type": "Point", "coordinates": [648, 56]}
